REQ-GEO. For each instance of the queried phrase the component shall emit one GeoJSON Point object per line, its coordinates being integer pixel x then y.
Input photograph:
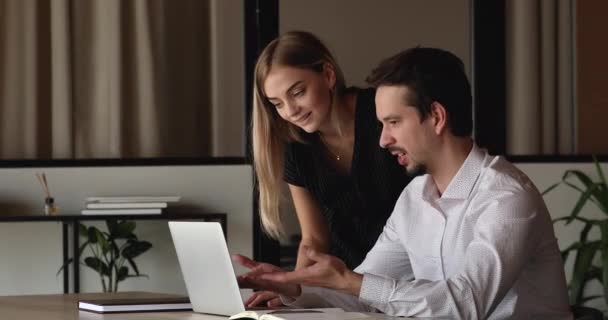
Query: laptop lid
{"type": "Point", "coordinates": [206, 267]}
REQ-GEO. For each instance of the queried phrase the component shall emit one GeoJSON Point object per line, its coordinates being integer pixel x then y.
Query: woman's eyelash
{"type": "Point", "coordinates": [295, 94]}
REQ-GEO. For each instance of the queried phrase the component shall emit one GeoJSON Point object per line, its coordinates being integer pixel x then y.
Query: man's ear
{"type": "Point", "coordinates": [329, 72]}
{"type": "Point", "coordinates": [439, 116]}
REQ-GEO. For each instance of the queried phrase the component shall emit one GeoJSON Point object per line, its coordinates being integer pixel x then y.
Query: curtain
{"type": "Point", "coordinates": [104, 78]}
{"type": "Point", "coordinates": [540, 82]}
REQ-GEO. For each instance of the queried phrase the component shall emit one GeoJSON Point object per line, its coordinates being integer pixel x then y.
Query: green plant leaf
{"type": "Point", "coordinates": [112, 263]}
{"type": "Point", "coordinates": [102, 242]}
{"type": "Point", "coordinates": [92, 234]}
{"type": "Point", "coordinates": [82, 230]}
{"type": "Point", "coordinates": [141, 275]}
{"type": "Point", "coordinates": [82, 248]}
{"type": "Point", "coordinates": [589, 298]}
{"type": "Point", "coordinates": [585, 232]}
{"type": "Point", "coordinates": [602, 195]}
{"type": "Point", "coordinates": [97, 265]}
{"type": "Point", "coordinates": [133, 265]}
{"type": "Point", "coordinates": [582, 191]}
{"type": "Point", "coordinates": [550, 188]}
{"type": "Point", "coordinates": [135, 248]}
{"type": "Point", "coordinates": [583, 220]}
{"type": "Point", "coordinates": [599, 170]}
{"type": "Point", "coordinates": [567, 251]}
{"type": "Point", "coordinates": [594, 273]}
{"type": "Point", "coordinates": [114, 247]}
{"type": "Point", "coordinates": [111, 225]}
{"type": "Point", "coordinates": [574, 246]}
{"type": "Point", "coordinates": [582, 262]}
{"type": "Point", "coordinates": [581, 202]}
{"type": "Point", "coordinates": [124, 229]}
{"type": "Point", "coordinates": [573, 186]}
{"type": "Point", "coordinates": [604, 249]}
{"type": "Point", "coordinates": [122, 274]}
{"type": "Point", "coordinates": [65, 264]}
{"type": "Point", "coordinates": [588, 183]}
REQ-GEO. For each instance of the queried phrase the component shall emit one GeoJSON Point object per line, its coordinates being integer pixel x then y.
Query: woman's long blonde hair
{"type": "Point", "coordinates": [270, 132]}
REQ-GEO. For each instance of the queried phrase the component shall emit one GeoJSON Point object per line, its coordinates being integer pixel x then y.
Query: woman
{"type": "Point", "coordinates": [320, 137]}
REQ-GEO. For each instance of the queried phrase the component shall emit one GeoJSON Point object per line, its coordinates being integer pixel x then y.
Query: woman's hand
{"type": "Point", "coordinates": [326, 271]}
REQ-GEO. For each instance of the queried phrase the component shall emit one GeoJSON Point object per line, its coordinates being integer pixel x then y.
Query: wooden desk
{"type": "Point", "coordinates": [65, 307]}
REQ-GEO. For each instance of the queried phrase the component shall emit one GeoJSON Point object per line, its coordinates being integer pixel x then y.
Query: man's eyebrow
{"type": "Point", "coordinates": [391, 117]}
{"type": "Point", "coordinates": [288, 89]}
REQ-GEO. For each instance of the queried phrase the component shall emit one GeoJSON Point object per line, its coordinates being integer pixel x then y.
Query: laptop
{"type": "Point", "coordinates": [207, 268]}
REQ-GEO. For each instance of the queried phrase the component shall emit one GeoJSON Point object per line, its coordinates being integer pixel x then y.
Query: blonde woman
{"type": "Point", "coordinates": [322, 138]}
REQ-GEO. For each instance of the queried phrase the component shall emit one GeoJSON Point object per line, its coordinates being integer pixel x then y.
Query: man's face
{"type": "Point", "coordinates": [403, 134]}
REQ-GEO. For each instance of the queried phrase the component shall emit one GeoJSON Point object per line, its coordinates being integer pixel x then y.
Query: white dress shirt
{"type": "Point", "coordinates": [483, 249]}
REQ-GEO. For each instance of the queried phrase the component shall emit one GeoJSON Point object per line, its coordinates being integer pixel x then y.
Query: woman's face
{"type": "Point", "coordinates": [302, 97]}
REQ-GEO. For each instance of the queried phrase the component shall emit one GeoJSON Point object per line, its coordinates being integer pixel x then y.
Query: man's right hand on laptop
{"type": "Point", "coordinates": [268, 298]}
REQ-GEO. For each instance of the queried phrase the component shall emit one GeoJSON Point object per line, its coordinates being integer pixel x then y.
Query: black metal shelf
{"type": "Point", "coordinates": [72, 221]}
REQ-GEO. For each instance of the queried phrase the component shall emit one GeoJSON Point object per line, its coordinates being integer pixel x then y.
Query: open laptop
{"type": "Point", "coordinates": [207, 268]}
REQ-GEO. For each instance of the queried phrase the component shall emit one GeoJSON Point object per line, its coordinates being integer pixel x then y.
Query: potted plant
{"type": "Point", "coordinates": [113, 252]}
{"type": "Point", "coordinates": [586, 249]}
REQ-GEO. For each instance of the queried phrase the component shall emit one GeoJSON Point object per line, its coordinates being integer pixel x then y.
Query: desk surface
{"type": "Point", "coordinates": [65, 307]}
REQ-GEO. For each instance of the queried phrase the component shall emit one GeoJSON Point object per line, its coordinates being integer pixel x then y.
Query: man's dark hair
{"type": "Point", "coordinates": [430, 75]}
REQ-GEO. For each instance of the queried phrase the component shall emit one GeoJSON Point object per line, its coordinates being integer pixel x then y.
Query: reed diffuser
{"type": "Point", "coordinates": [49, 202]}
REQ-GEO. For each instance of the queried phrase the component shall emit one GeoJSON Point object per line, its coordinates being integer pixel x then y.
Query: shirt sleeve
{"type": "Point", "coordinates": [315, 297]}
{"type": "Point", "coordinates": [505, 236]}
{"type": "Point", "coordinates": [292, 171]}
{"type": "Point", "coordinates": [388, 257]}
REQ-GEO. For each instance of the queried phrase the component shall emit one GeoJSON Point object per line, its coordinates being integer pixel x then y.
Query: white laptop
{"type": "Point", "coordinates": [210, 279]}
{"type": "Point", "coordinates": [207, 268]}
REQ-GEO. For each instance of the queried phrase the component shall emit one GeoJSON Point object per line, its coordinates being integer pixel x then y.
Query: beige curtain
{"type": "Point", "coordinates": [540, 83]}
{"type": "Point", "coordinates": [104, 78]}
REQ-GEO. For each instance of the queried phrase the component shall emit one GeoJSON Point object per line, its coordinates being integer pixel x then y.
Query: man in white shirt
{"type": "Point", "coordinates": [471, 239]}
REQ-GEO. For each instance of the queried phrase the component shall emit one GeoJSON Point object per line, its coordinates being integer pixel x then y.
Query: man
{"type": "Point", "coordinates": [470, 239]}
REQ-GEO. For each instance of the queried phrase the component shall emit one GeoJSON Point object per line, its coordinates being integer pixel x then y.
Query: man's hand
{"type": "Point", "coordinates": [269, 298]}
{"type": "Point", "coordinates": [253, 280]}
{"type": "Point", "coordinates": [327, 271]}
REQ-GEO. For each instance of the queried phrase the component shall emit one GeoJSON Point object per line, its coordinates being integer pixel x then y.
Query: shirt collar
{"type": "Point", "coordinates": [462, 183]}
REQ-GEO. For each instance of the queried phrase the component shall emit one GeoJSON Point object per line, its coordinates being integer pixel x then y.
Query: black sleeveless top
{"type": "Point", "coordinates": [357, 206]}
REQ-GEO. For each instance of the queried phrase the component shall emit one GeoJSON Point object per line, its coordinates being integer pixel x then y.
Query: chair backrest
{"type": "Point", "coordinates": [586, 313]}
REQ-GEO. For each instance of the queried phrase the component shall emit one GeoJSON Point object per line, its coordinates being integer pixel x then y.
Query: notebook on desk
{"type": "Point", "coordinates": [135, 304]}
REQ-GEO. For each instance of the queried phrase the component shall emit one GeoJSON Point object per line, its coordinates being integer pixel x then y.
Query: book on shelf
{"type": "Point", "coordinates": [128, 199]}
{"type": "Point", "coordinates": [299, 314]}
{"type": "Point", "coordinates": [126, 205]}
{"type": "Point", "coordinates": [121, 211]}
{"type": "Point", "coordinates": [134, 304]}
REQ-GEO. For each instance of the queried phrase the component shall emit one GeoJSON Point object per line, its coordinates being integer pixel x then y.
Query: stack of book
{"type": "Point", "coordinates": [127, 205]}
